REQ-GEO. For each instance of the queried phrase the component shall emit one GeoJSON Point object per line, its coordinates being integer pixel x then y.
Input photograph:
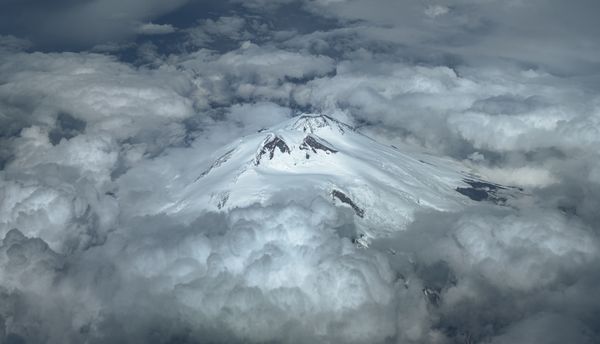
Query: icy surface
{"type": "Point", "coordinates": [318, 155]}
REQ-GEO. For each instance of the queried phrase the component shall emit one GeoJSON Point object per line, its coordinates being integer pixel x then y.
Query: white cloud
{"type": "Point", "coordinates": [251, 72]}
{"type": "Point", "coordinates": [155, 29]}
{"type": "Point", "coordinates": [526, 176]}
{"type": "Point", "coordinates": [436, 10]}
{"type": "Point", "coordinates": [107, 95]}
{"type": "Point", "coordinates": [249, 279]}
{"type": "Point", "coordinates": [90, 145]}
{"type": "Point", "coordinates": [259, 115]}
{"type": "Point", "coordinates": [79, 108]}
{"type": "Point", "coordinates": [12, 43]}
{"type": "Point", "coordinates": [437, 106]}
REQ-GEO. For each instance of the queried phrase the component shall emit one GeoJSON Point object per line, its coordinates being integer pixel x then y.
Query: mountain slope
{"type": "Point", "coordinates": [316, 155]}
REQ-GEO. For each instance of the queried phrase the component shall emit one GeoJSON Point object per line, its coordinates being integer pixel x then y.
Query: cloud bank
{"type": "Point", "coordinates": [92, 143]}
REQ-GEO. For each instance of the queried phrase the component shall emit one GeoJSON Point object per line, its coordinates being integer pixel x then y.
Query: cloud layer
{"type": "Point", "coordinates": [90, 144]}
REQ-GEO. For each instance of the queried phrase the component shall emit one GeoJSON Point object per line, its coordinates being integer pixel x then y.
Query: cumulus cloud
{"type": "Point", "coordinates": [520, 176]}
{"type": "Point", "coordinates": [258, 116]}
{"type": "Point", "coordinates": [436, 10]}
{"type": "Point", "coordinates": [12, 43]}
{"type": "Point", "coordinates": [64, 147]}
{"type": "Point", "coordinates": [478, 30]}
{"type": "Point", "coordinates": [219, 30]}
{"type": "Point", "coordinates": [91, 146]}
{"type": "Point", "coordinates": [512, 111]}
{"type": "Point", "coordinates": [155, 29]}
{"type": "Point", "coordinates": [233, 278]}
{"type": "Point", "coordinates": [483, 267]}
{"type": "Point", "coordinates": [84, 86]}
{"type": "Point", "coordinates": [252, 72]}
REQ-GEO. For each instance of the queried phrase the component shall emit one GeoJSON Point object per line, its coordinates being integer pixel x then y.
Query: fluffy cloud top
{"type": "Point", "coordinates": [90, 145]}
{"type": "Point", "coordinates": [155, 29]}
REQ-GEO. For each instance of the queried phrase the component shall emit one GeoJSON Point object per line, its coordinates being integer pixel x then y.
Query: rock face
{"type": "Point", "coordinates": [312, 124]}
{"type": "Point", "coordinates": [271, 143]}
{"type": "Point", "coordinates": [315, 144]}
{"type": "Point", "coordinates": [483, 191]}
{"type": "Point", "coordinates": [318, 156]}
{"type": "Point", "coordinates": [346, 200]}
{"type": "Point", "coordinates": [220, 160]}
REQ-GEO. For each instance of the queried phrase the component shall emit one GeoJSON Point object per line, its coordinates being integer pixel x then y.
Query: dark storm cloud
{"type": "Point", "coordinates": [92, 145]}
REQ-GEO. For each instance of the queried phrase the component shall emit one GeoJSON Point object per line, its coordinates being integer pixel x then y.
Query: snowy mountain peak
{"type": "Point", "coordinates": [319, 156]}
{"type": "Point", "coordinates": [301, 136]}
{"type": "Point", "coordinates": [313, 123]}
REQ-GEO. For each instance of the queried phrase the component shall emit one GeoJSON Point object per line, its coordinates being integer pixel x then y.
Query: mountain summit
{"type": "Point", "coordinates": [318, 155]}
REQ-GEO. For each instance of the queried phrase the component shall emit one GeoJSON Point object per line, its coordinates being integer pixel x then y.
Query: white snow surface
{"type": "Point", "coordinates": [386, 184]}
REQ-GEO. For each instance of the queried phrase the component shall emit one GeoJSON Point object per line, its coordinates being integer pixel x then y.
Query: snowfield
{"type": "Point", "coordinates": [312, 154]}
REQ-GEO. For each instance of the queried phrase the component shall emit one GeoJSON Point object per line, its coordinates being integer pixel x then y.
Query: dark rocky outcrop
{"type": "Point", "coordinates": [223, 198]}
{"type": "Point", "coordinates": [271, 143]}
{"type": "Point", "coordinates": [432, 296]}
{"type": "Point", "coordinates": [311, 123]}
{"type": "Point", "coordinates": [220, 161]}
{"type": "Point", "coordinates": [483, 191]}
{"type": "Point", "coordinates": [315, 144]}
{"type": "Point", "coordinates": [360, 212]}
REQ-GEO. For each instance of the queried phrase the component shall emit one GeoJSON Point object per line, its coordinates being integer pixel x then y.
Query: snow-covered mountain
{"type": "Point", "coordinates": [320, 156]}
